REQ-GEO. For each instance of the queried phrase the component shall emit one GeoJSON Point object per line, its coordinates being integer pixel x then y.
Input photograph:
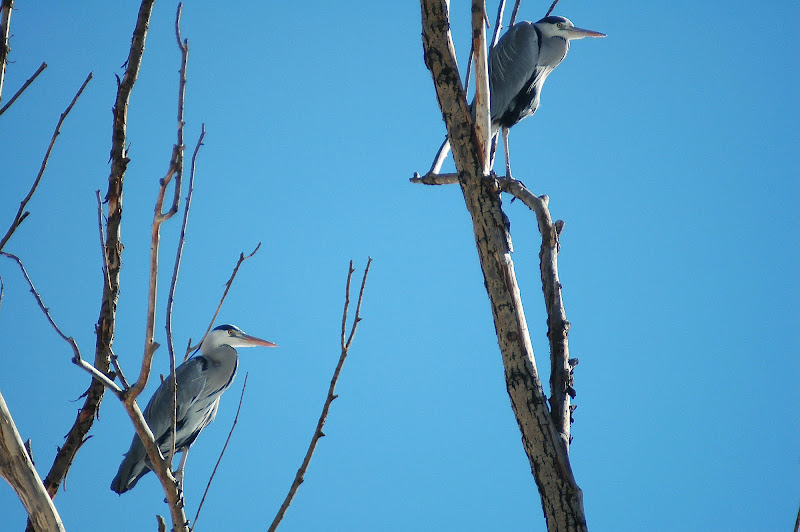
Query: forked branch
{"type": "Point", "coordinates": [346, 342]}
{"type": "Point", "coordinates": [106, 324]}
{"type": "Point", "coordinates": [545, 442]}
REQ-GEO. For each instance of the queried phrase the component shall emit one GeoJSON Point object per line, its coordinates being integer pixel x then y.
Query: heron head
{"type": "Point", "coordinates": [554, 26]}
{"type": "Point", "coordinates": [232, 336]}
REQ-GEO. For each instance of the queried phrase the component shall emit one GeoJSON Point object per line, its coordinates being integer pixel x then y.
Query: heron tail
{"type": "Point", "coordinates": [132, 468]}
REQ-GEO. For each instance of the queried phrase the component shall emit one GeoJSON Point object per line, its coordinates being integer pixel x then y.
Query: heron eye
{"type": "Point", "coordinates": [560, 25]}
{"type": "Point", "coordinates": [230, 332]}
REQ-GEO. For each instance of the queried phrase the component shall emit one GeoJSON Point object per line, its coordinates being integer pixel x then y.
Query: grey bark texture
{"type": "Point", "coordinates": [545, 442]}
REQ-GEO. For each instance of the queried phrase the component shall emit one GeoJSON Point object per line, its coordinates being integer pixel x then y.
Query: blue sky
{"type": "Point", "coordinates": [669, 148]}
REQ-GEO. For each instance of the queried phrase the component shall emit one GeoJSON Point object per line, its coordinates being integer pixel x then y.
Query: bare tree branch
{"type": "Point", "coordinates": [22, 89]}
{"type": "Point", "coordinates": [480, 105]}
{"type": "Point", "coordinates": [159, 217]}
{"type": "Point", "coordinates": [161, 466]}
{"type": "Point", "coordinates": [21, 213]}
{"type": "Point", "coordinates": [71, 341]}
{"type": "Point", "coordinates": [221, 454]}
{"type": "Point", "coordinates": [561, 366]}
{"type": "Point", "coordinates": [545, 445]}
{"type": "Point", "coordinates": [345, 345]}
{"type": "Point", "coordinates": [514, 13]}
{"type": "Point", "coordinates": [16, 464]}
{"type": "Point", "coordinates": [100, 225]}
{"type": "Point", "coordinates": [106, 324]}
{"type": "Point", "coordinates": [17, 469]}
{"type": "Point", "coordinates": [228, 285]}
{"type": "Point", "coordinates": [435, 179]}
{"type": "Point", "coordinates": [498, 24]}
{"type": "Point", "coordinates": [184, 48]}
{"type": "Point", "coordinates": [6, 6]}
{"type": "Point", "coordinates": [552, 6]}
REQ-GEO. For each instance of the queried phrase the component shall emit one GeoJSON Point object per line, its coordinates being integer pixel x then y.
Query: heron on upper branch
{"type": "Point", "coordinates": [518, 65]}
{"type": "Point", "coordinates": [201, 380]}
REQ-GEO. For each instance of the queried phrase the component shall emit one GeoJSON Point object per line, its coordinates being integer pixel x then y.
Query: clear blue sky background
{"type": "Point", "coordinates": [669, 148]}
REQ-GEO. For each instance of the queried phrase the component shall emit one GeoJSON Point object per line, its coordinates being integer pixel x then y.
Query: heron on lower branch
{"type": "Point", "coordinates": [200, 381]}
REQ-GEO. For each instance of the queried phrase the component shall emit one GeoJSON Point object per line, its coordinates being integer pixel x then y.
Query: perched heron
{"type": "Point", "coordinates": [518, 65]}
{"type": "Point", "coordinates": [201, 380]}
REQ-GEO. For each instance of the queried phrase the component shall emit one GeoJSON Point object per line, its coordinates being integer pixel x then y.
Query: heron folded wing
{"type": "Point", "coordinates": [512, 62]}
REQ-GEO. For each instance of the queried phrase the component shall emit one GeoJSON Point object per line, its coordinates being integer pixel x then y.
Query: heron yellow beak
{"type": "Point", "coordinates": [253, 341]}
{"type": "Point", "coordinates": [580, 33]}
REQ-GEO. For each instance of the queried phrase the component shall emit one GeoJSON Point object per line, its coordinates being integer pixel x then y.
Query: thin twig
{"type": "Point", "coordinates": [221, 454]}
{"type": "Point", "coordinates": [469, 69]}
{"type": "Point", "coordinates": [71, 341]}
{"type": "Point", "coordinates": [6, 6]}
{"type": "Point", "coordinates": [21, 213]}
{"type": "Point", "coordinates": [514, 13]}
{"type": "Point", "coordinates": [552, 6]}
{"type": "Point", "coordinates": [498, 23]}
{"type": "Point", "coordinates": [797, 521]}
{"type": "Point", "coordinates": [345, 345]}
{"type": "Point", "coordinates": [24, 86]}
{"type": "Point", "coordinates": [1, 290]}
{"type": "Point", "coordinates": [228, 285]}
{"type": "Point", "coordinates": [94, 372]}
{"type": "Point", "coordinates": [358, 306]}
{"type": "Point", "coordinates": [118, 369]}
{"type": "Point", "coordinates": [184, 48]}
{"type": "Point", "coordinates": [100, 221]}
{"type": "Point", "coordinates": [68, 339]}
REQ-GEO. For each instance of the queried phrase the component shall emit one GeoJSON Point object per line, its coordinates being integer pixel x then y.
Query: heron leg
{"type": "Point", "coordinates": [505, 147]}
{"type": "Point", "coordinates": [441, 155]}
{"type": "Point", "coordinates": [181, 467]}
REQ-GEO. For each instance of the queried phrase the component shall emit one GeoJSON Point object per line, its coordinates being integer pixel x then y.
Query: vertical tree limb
{"type": "Point", "coordinates": [546, 447]}
{"type": "Point", "coordinates": [184, 48]}
{"type": "Point", "coordinates": [106, 323]}
{"type": "Point", "coordinates": [6, 6]}
{"type": "Point", "coordinates": [480, 106]}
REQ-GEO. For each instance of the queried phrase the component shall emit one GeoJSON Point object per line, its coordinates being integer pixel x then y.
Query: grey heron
{"type": "Point", "coordinates": [518, 65]}
{"type": "Point", "coordinates": [200, 381]}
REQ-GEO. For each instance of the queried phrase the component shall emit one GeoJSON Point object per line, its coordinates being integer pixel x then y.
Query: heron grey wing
{"type": "Point", "coordinates": [512, 62]}
{"type": "Point", "coordinates": [190, 382]}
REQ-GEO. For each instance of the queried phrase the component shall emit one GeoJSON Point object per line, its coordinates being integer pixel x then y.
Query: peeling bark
{"type": "Point", "coordinates": [545, 445]}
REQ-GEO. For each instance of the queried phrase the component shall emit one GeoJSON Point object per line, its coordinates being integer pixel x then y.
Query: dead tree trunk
{"type": "Point", "coordinates": [546, 441]}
